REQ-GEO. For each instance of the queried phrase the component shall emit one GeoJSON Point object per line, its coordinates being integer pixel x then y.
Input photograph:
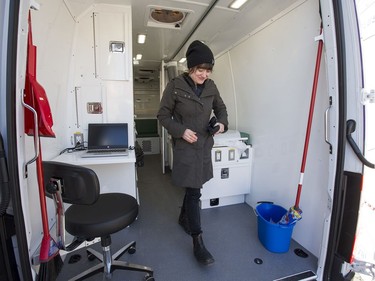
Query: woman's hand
{"type": "Point", "coordinates": [190, 136]}
{"type": "Point", "coordinates": [221, 130]}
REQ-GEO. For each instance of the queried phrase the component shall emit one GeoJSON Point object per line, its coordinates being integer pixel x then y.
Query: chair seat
{"type": "Point", "coordinates": [109, 214]}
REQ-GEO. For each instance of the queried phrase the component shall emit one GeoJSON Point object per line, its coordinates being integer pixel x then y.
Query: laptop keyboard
{"type": "Point", "coordinates": [106, 151]}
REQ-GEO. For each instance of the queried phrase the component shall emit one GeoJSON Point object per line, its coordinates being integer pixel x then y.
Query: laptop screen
{"type": "Point", "coordinates": [107, 135]}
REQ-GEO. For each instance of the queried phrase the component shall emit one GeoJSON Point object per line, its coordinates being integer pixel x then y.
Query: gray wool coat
{"type": "Point", "coordinates": [181, 109]}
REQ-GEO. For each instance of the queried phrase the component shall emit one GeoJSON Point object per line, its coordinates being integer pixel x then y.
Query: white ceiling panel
{"type": "Point", "coordinates": [220, 28]}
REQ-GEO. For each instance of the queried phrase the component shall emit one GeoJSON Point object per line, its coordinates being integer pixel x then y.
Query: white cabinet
{"type": "Point", "coordinates": [232, 172]}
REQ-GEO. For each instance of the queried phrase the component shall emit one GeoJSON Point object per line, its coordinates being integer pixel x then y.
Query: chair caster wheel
{"type": "Point", "coordinates": [132, 250]}
{"type": "Point", "coordinates": [90, 256]}
{"type": "Point", "coordinates": [149, 278]}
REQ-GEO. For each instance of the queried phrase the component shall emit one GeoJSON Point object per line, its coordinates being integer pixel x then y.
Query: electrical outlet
{"type": "Point", "coordinates": [78, 138]}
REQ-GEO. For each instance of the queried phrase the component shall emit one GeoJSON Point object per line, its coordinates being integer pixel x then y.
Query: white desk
{"type": "Point", "coordinates": [116, 174]}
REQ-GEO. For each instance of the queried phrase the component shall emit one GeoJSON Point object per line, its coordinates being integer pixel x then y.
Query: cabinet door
{"type": "Point", "coordinates": [228, 181]}
{"type": "Point", "coordinates": [112, 45]}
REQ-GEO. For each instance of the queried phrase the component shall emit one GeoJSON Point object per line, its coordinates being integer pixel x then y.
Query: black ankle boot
{"type": "Point", "coordinates": [200, 252]}
{"type": "Point", "coordinates": [183, 221]}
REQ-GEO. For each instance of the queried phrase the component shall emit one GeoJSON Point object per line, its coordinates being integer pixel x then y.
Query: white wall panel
{"type": "Point", "coordinates": [223, 72]}
{"type": "Point", "coordinates": [53, 30]}
{"type": "Point", "coordinates": [97, 75]}
{"type": "Point", "coordinates": [272, 71]}
{"type": "Point", "coordinates": [66, 70]}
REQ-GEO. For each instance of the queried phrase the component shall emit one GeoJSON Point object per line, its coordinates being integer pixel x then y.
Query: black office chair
{"type": "Point", "coordinates": [91, 215]}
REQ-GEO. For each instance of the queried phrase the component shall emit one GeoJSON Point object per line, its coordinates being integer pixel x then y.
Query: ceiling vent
{"type": "Point", "coordinates": [163, 17]}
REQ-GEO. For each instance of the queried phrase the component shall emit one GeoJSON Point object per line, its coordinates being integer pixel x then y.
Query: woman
{"type": "Point", "coordinates": [185, 111]}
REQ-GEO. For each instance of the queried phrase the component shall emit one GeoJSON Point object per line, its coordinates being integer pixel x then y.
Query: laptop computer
{"type": "Point", "coordinates": [107, 139]}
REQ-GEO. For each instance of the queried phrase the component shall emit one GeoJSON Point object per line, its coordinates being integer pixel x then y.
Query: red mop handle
{"type": "Point", "coordinates": [42, 195]}
{"type": "Point", "coordinates": [309, 122]}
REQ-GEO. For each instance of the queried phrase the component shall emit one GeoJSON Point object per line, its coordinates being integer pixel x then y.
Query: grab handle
{"type": "Point", "coordinates": [350, 128]}
{"type": "Point", "coordinates": [326, 125]}
{"type": "Point", "coordinates": [36, 134]}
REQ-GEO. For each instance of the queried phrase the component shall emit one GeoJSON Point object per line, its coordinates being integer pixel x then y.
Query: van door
{"type": "Point", "coordinates": [355, 166]}
{"type": "Point", "coordinates": [364, 248]}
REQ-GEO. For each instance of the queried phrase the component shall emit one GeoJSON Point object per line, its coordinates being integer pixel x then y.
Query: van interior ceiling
{"type": "Point", "coordinates": [94, 70]}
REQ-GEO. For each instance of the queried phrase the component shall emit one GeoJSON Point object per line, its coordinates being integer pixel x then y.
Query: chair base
{"type": "Point", "coordinates": [110, 263]}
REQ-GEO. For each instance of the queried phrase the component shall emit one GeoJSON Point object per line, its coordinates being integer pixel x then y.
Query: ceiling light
{"type": "Point", "coordinates": [141, 38]}
{"type": "Point", "coordinates": [138, 57]}
{"type": "Point", "coordinates": [182, 60]}
{"type": "Point", "coordinates": [236, 4]}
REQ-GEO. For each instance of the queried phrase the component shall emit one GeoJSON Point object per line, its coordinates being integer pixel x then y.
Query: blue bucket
{"type": "Point", "coordinates": [274, 236]}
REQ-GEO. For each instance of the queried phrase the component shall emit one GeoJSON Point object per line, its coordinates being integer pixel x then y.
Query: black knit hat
{"type": "Point", "coordinates": [199, 53]}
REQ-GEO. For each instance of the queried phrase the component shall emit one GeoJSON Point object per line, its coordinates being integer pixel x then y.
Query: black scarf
{"type": "Point", "coordinates": [196, 88]}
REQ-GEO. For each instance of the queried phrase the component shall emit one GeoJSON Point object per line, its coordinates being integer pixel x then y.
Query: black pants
{"type": "Point", "coordinates": [192, 210]}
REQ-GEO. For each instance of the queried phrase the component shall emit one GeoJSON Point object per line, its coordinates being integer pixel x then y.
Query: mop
{"type": "Point", "coordinates": [294, 213]}
{"type": "Point", "coordinates": [49, 256]}
{"type": "Point", "coordinates": [36, 98]}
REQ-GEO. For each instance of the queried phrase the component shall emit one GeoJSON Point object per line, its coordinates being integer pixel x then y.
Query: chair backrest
{"type": "Point", "coordinates": [80, 185]}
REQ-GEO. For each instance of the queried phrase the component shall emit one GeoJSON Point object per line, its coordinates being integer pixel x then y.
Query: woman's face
{"type": "Point", "coordinates": [199, 75]}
